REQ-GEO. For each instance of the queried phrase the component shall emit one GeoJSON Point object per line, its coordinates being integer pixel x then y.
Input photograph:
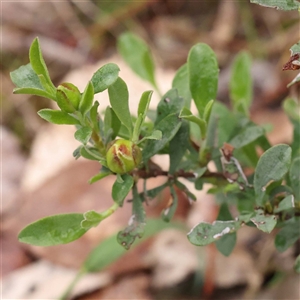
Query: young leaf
{"type": "Point", "coordinates": [57, 117]}
{"type": "Point", "coordinates": [178, 146]}
{"type": "Point", "coordinates": [121, 190]}
{"type": "Point", "coordinates": [144, 103]}
{"type": "Point", "coordinates": [182, 84]}
{"type": "Point", "coordinates": [137, 55]}
{"type": "Point", "coordinates": [272, 166]}
{"type": "Point", "coordinates": [136, 225]}
{"type": "Point", "coordinates": [91, 219]}
{"type": "Point", "coordinates": [288, 235]}
{"type": "Point", "coordinates": [203, 75]}
{"type": "Point", "coordinates": [104, 77]}
{"type": "Point", "coordinates": [90, 153]}
{"type": "Point", "coordinates": [27, 82]}
{"type": "Point", "coordinates": [111, 123]}
{"type": "Point", "coordinates": [294, 175]}
{"type": "Point", "coordinates": [118, 97]}
{"type": "Point", "coordinates": [279, 4]}
{"type": "Point", "coordinates": [247, 135]}
{"type": "Point", "coordinates": [241, 83]}
{"type": "Point", "coordinates": [207, 110]}
{"type": "Point", "coordinates": [53, 230]}
{"type": "Point", "coordinates": [38, 65]}
{"type": "Point", "coordinates": [95, 116]}
{"type": "Point", "coordinates": [169, 127]}
{"type": "Point", "coordinates": [205, 233]}
{"type": "Point", "coordinates": [86, 101]}
{"type": "Point", "coordinates": [264, 222]}
{"type": "Point", "coordinates": [83, 134]}
{"type": "Point", "coordinates": [99, 176]}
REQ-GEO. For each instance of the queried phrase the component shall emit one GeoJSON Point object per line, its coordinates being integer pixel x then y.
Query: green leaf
{"type": "Point", "coordinates": [295, 48]}
{"type": "Point", "coordinates": [111, 123]}
{"type": "Point", "coordinates": [57, 117]}
{"type": "Point", "coordinates": [183, 188]}
{"type": "Point", "coordinates": [279, 4]}
{"type": "Point", "coordinates": [285, 204]}
{"type": "Point", "coordinates": [83, 135]}
{"type": "Point", "coordinates": [104, 77]}
{"type": "Point", "coordinates": [91, 153]}
{"type": "Point", "coordinates": [99, 176]}
{"type": "Point", "coordinates": [155, 135]}
{"type": "Point", "coordinates": [95, 116]}
{"type": "Point", "coordinates": [178, 146]}
{"type": "Point", "coordinates": [38, 65]}
{"type": "Point", "coordinates": [86, 101]}
{"type": "Point", "coordinates": [170, 103]}
{"type": "Point", "coordinates": [288, 235]}
{"type": "Point", "coordinates": [186, 114]}
{"type": "Point", "coordinates": [27, 82]}
{"type": "Point", "coordinates": [169, 127]}
{"type": "Point", "coordinates": [91, 219]}
{"type": "Point", "coordinates": [264, 222]}
{"type": "Point", "coordinates": [137, 55]}
{"type": "Point", "coordinates": [246, 136]}
{"type": "Point", "coordinates": [144, 103]}
{"type": "Point", "coordinates": [203, 75]}
{"type": "Point", "coordinates": [118, 97]}
{"type": "Point", "coordinates": [226, 243]}
{"type": "Point", "coordinates": [219, 129]}
{"type": "Point", "coordinates": [297, 264]}
{"type": "Point", "coordinates": [294, 176]}
{"type": "Point", "coordinates": [240, 86]}
{"type": "Point", "coordinates": [121, 190]}
{"type": "Point", "coordinates": [205, 233]}
{"type": "Point", "coordinates": [182, 84]}
{"type": "Point", "coordinates": [53, 230]}
{"type": "Point", "coordinates": [136, 225]}
{"type": "Point", "coordinates": [207, 110]}
{"type": "Point", "coordinates": [272, 166]}
{"type": "Point", "coordinates": [150, 194]}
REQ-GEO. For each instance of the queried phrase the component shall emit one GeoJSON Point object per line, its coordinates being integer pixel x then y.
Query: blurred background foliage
{"type": "Point", "coordinates": [74, 33]}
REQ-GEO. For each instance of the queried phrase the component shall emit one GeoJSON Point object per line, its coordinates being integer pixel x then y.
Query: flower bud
{"type": "Point", "coordinates": [68, 97]}
{"type": "Point", "coordinates": [123, 156]}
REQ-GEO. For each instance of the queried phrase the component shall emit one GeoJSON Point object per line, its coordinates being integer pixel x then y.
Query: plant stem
{"type": "Point", "coordinates": [69, 289]}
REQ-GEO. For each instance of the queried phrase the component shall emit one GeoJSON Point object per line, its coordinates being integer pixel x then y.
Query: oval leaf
{"type": "Point", "coordinates": [83, 134]}
{"type": "Point", "coordinates": [137, 55]}
{"type": "Point", "coordinates": [279, 4]}
{"type": "Point", "coordinates": [86, 101]}
{"type": "Point", "coordinates": [272, 166]}
{"type": "Point", "coordinates": [104, 77]}
{"type": "Point", "coordinates": [57, 117]}
{"type": "Point", "coordinates": [38, 65]}
{"type": "Point", "coordinates": [118, 97]}
{"type": "Point", "coordinates": [240, 87]}
{"type": "Point", "coordinates": [182, 84]}
{"type": "Point", "coordinates": [53, 230]}
{"type": "Point", "coordinates": [203, 75]}
{"type": "Point", "coordinates": [205, 233]}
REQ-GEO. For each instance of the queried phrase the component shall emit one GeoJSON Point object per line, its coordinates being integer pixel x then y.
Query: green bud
{"type": "Point", "coordinates": [123, 156]}
{"type": "Point", "coordinates": [68, 97]}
